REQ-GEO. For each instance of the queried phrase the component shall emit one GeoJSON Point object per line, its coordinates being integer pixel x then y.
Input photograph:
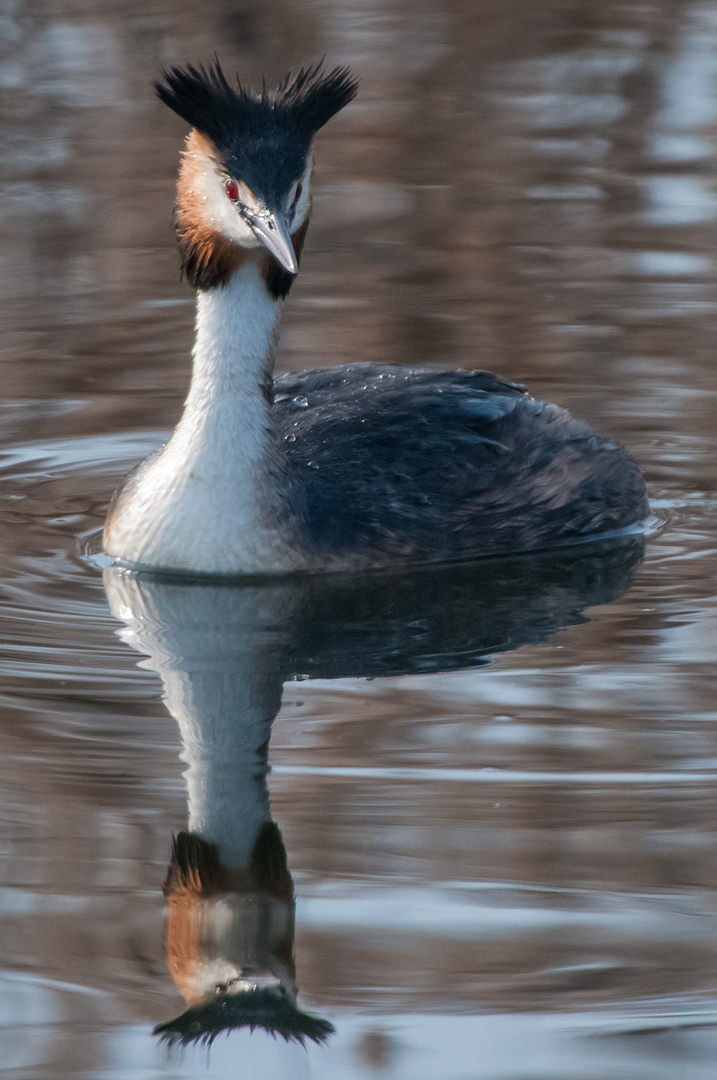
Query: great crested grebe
{"type": "Point", "coordinates": [344, 468]}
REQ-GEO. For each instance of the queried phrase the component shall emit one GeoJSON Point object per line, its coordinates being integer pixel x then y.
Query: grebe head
{"type": "Point", "coordinates": [244, 180]}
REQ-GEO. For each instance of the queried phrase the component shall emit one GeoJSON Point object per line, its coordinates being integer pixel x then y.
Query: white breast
{"type": "Point", "coordinates": [206, 501]}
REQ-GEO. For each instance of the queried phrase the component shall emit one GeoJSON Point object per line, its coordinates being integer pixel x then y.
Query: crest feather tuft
{"type": "Point", "coordinates": [263, 138]}
{"type": "Point", "coordinates": [301, 103]}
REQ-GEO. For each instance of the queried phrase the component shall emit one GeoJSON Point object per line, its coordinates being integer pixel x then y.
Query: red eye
{"type": "Point", "coordinates": [232, 189]}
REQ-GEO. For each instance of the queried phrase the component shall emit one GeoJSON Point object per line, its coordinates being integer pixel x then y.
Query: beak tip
{"type": "Point", "coordinates": [273, 232]}
{"type": "Point", "coordinates": [287, 260]}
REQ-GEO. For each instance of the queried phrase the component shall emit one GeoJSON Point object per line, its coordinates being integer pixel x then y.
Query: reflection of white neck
{"type": "Point", "coordinates": [204, 501]}
{"type": "Point", "coordinates": [225, 721]}
{"type": "Point", "coordinates": [217, 650]}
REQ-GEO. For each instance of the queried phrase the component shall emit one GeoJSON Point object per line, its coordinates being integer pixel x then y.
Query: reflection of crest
{"type": "Point", "coordinates": [265, 1009]}
{"type": "Point", "coordinates": [220, 922]}
{"type": "Point", "coordinates": [223, 652]}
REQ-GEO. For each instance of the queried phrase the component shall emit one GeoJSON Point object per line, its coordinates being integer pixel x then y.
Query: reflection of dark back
{"type": "Point", "coordinates": [223, 651]}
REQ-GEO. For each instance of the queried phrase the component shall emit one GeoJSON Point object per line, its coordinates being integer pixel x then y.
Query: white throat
{"type": "Point", "coordinates": [203, 502]}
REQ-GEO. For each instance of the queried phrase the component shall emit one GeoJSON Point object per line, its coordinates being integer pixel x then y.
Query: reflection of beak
{"type": "Point", "coordinates": [259, 980]}
{"type": "Point", "coordinates": [273, 231]}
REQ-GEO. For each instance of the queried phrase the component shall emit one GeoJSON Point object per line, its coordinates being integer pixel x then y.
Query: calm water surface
{"type": "Point", "coordinates": [504, 868]}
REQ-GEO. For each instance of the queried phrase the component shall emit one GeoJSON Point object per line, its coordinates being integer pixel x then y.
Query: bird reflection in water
{"type": "Point", "coordinates": [230, 896]}
{"type": "Point", "coordinates": [223, 652]}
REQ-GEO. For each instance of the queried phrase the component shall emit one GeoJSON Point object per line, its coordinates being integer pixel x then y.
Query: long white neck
{"type": "Point", "coordinates": [204, 502]}
{"type": "Point", "coordinates": [225, 420]}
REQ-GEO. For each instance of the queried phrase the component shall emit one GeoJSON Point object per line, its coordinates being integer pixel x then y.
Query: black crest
{"type": "Point", "coordinates": [264, 138]}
